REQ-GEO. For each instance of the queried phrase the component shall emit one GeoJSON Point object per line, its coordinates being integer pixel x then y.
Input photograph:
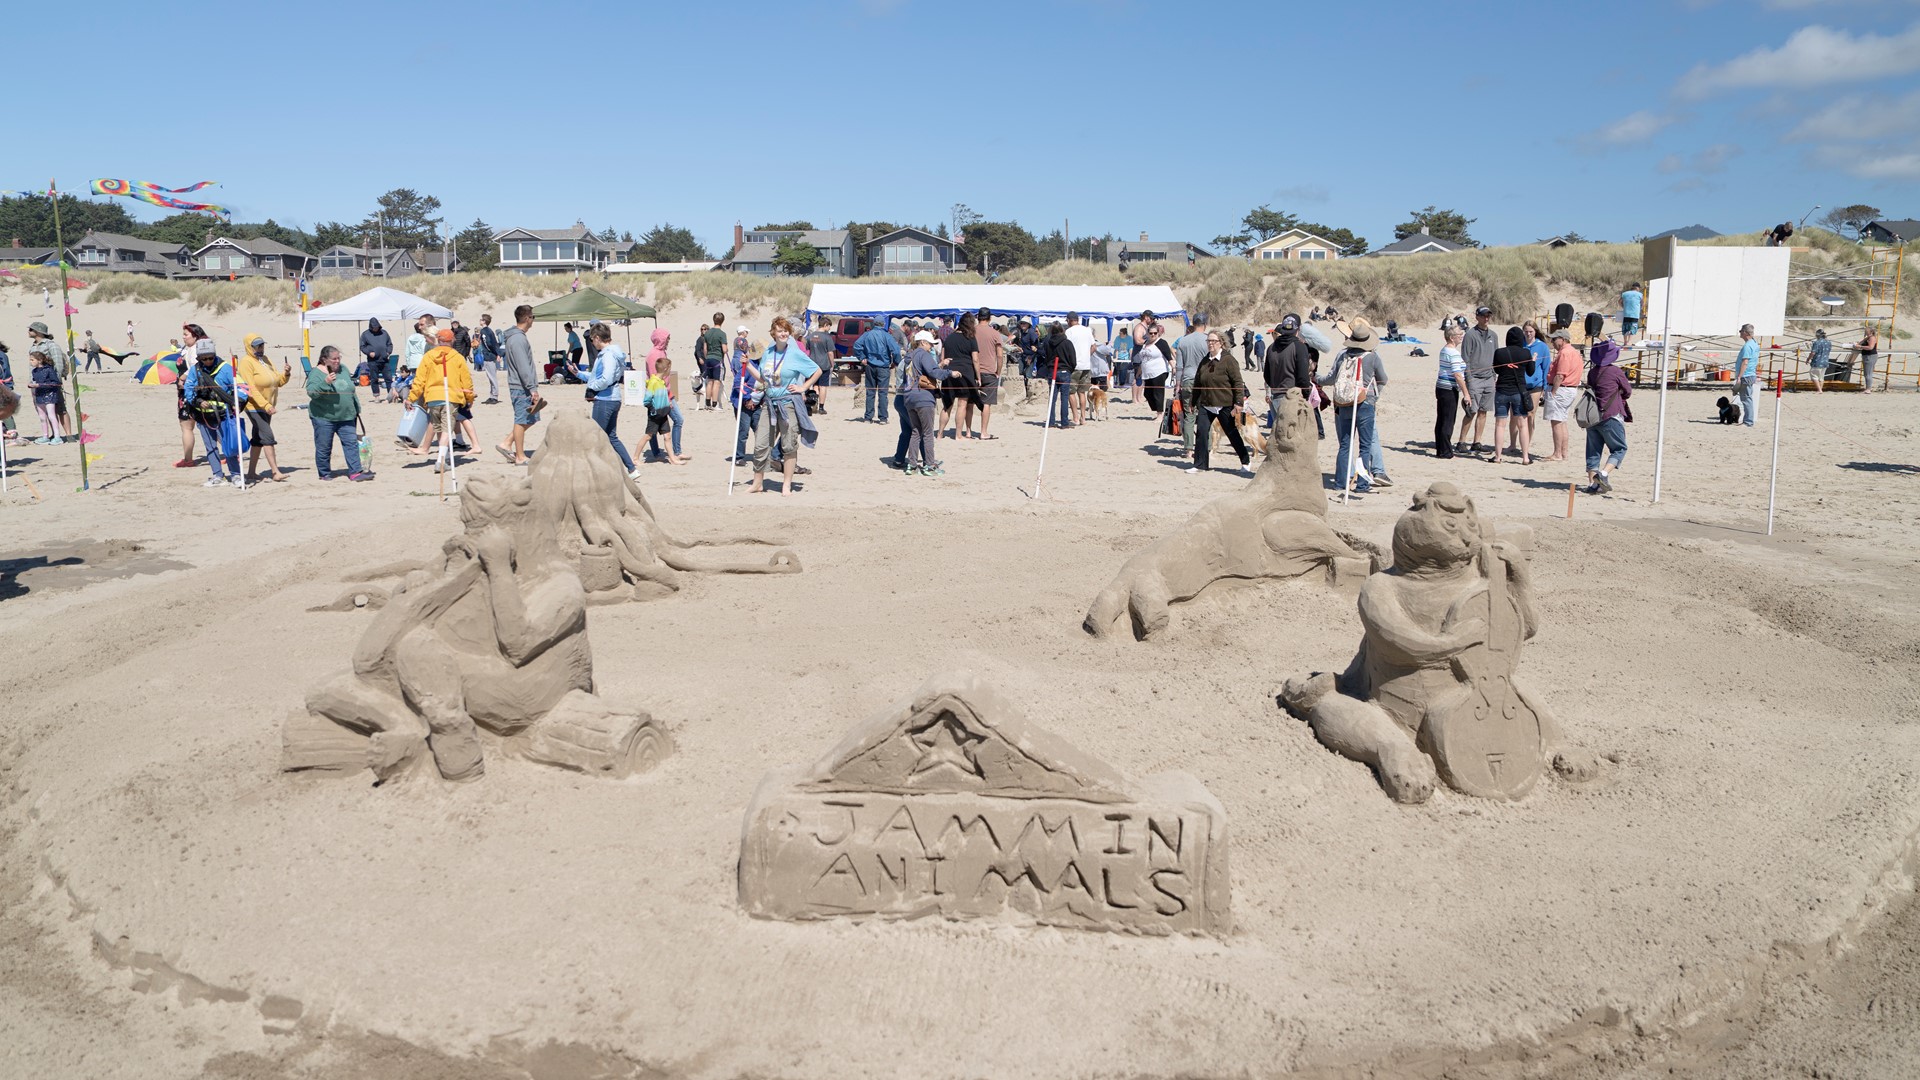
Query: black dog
{"type": "Point", "coordinates": [1729, 411]}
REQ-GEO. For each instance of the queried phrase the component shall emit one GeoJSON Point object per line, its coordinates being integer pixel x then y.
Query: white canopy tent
{"type": "Point", "coordinates": [1107, 302]}
{"type": "Point", "coordinates": [380, 302]}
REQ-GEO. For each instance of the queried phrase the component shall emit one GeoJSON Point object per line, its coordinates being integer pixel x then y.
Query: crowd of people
{"type": "Point", "coordinates": [940, 377]}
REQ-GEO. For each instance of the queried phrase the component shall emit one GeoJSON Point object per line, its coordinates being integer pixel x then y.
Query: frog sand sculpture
{"type": "Point", "coordinates": [1431, 696]}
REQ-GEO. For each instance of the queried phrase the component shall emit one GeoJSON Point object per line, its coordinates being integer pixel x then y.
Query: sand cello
{"type": "Point", "coordinates": [1430, 695]}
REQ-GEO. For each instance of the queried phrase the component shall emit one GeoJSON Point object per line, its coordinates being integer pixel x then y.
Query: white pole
{"type": "Point", "coordinates": [447, 430]}
{"type": "Point", "coordinates": [239, 428]}
{"type": "Point", "coordinates": [1047, 430]}
{"type": "Point", "coordinates": [1773, 479]}
{"type": "Point", "coordinates": [739, 434]}
{"type": "Point", "coordinates": [1666, 341]}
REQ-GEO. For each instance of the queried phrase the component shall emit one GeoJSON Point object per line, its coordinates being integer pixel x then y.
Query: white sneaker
{"type": "Point", "coordinates": [1194, 469]}
{"type": "Point", "coordinates": [215, 481]}
{"type": "Point", "coordinates": [237, 482]}
{"type": "Point", "coordinates": [635, 474]}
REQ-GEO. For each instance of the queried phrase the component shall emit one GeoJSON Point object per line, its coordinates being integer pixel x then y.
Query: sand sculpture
{"type": "Point", "coordinates": [492, 638]}
{"type": "Point", "coordinates": [1275, 527]}
{"type": "Point", "coordinates": [1431, 693]}
{"type": "Point", "coordinates": [580, 486]}
{"type": "Point", "coordinates": [951, 804]}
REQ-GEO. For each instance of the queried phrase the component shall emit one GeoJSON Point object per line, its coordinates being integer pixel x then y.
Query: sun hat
{"type": "Point", "coordinates": [38, 328]}
{"type": "Point", "coordinates": [1359, 334]}
{"type": "Point", "coordinates": [923, 335]}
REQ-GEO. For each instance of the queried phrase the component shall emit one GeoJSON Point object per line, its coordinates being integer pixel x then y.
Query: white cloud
{"type": "Point", "coordinates": [1711, 159]}
{"type": "Point", "coordinates": [1857, 118]}
{"type": "Point", "coordinates": [1635, 127]}
{"type": "Point", "coordinates": [1813, 56]}
{"type": "Point", "coordinates": [1889, 166]}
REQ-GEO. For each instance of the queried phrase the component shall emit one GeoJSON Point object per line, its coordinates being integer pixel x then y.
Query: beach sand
{"type": "Point", "coordinates": [176, 906]}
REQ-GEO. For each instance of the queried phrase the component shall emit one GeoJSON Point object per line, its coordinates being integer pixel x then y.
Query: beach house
{"type": "Point", "coordinates": [1420, 244]}
{"type": "Point", "coordinates": [753, 250]}
{"type": "Point", "coordinates": [1145, 250]}
{"type": "Point", "coordinates": [553, 251]}
{"type": "Point", "coordinates": [1891, 232]}
{"type": "Point", "coordinates": [909, 252]}
{"type": "Point", "coordinates": [15, 255]}
{"type": "Point", "coordinates": [128, 255]}
{"type": "Point", "coordinates": [346, 260]}
{"type": "Point", "coordinates": [439, 262]}
{"type": "Point", "coordinates": [1295, 245]}
{"type": "Point", "coordinates": [254, 257]}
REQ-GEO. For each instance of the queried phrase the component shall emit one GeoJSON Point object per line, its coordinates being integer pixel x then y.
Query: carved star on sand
{"type": "Point", "coordinates": [946, 744]}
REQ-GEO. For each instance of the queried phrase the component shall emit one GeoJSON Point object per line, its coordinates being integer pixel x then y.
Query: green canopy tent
{"type": "Point", "coordinates": [590, 303]}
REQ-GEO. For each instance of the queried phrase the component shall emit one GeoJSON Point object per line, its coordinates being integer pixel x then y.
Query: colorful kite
{"type": "Point", "coordinates": [151, 193]}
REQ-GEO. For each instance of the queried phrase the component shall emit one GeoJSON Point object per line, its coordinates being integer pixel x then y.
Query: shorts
{"type": "Point", "coordinates": [262, 428]}
{"type": "Point", "coordinates": [1082, 379]}
{"type": "Point", "coordinates": [436, 413]}
{"type": "Point", "coordinates": [523, 414]}
{"type": "Point", "coordinates": [1512, 405]}
{"type": "Point", "coordinates": [661, 425]}
{"type": "Point", "coordinates": [1560, 403]}
{"type": "Point", "coordinates": [1629, 326]}
{"type": "Point", "coordinates": [989, 389]}
{"type": "Point", "coordinates": [1100, 381]}
{"type": "Point", "coordinates": [1480, 393]}
{"type": "Point", "coordinates": [714, 370]}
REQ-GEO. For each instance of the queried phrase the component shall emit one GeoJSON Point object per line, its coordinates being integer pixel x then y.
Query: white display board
{"type": "Point", "coordinates": [1716, 289]}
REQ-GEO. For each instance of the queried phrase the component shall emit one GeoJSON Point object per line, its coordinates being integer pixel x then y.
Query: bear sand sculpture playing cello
{"type": "Point", "coordinates": [1431, 694]}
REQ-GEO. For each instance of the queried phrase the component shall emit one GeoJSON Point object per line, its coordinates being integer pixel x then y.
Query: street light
{"type": "Point", "coordinates": [1804, 217]}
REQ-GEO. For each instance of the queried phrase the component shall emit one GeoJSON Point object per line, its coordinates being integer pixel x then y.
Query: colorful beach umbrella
{"type": "Point", "coordinates": [162, 370]}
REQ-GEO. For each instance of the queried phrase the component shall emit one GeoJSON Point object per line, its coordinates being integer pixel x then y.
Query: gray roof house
{"type": "Point", "coordinates": [127, 255]}
{"type": "Point", "coordinates": [24, 256]}
{"type": "Point", "coordinates": [431, 261]}
{"type": "Point", "coordinates": [1145, 250]}
{"type": "Point", "coordinates": [753, 250]}
{"type": "Point", "coordinates": [345, 260]}
{"type": "Point", "coordinates": [1420, 244]}
{"type": "Point", "coordinates": [1892, 232]}
{"type": "Point", "coordinates": [1689, 232]}
{"type": "Point", "coordinates": [254, 257]}
{"type": "Point", "coordinates": [909, 252]}
{"type": "Point", "coordinates": [553, 251]}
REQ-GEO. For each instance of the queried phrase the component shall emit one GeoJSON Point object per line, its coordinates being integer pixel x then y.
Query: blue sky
{"type": "Point", "coordinates": [1120, 115]}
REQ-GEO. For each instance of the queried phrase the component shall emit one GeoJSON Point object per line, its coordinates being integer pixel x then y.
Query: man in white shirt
{"type": "Point", "coordinates": [1082, 338]}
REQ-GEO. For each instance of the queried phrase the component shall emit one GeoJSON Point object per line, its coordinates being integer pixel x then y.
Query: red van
{"type": "Point", "coordinates": [848, 331]}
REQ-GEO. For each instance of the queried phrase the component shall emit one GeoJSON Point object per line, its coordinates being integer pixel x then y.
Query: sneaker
{"type": "Point", "coordinates": [892, 464]}
{"type": "Point", "coordinates": [635, 474]}
{"type": "Point", "coordinates": [1600, 481]}
{"type": "Point", "coordinates": [43, 441]}
{"type": "Point", "coordinates": [215, 481]}
{"type": "Point", "coordinates": [914, 470]}
{"type": "Point", "coordinates": [362, 476]}
{"type": "Point", "coordinates": [1458, 448]}
{"type": "Point", "coordinates": [1195, 469]}
{"type": "Point", "coordinates": [1381, 479]}
{"type": "Point", "coordinates": [237, 482]}
{"type": "Point", "coordinates": [1590, 489]}
{"type": "Point", "coordinates": [802, 470]}
{"type": "Point", "coordinates": [935, 471]}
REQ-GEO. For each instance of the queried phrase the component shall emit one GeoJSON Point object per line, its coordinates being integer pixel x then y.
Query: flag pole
{"type": "Point", "coordinates": [66, 309]}
{"type": "Point", "coordinates": [1773, 478]}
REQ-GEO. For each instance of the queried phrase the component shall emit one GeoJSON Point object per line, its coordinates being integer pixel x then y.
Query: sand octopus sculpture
{"type": "Point", "coordinates": [1431, 693]}
{"type": "Point", "coordinates": [1275, 527]}
{"type": "Point", "coordinates": [491, 638]}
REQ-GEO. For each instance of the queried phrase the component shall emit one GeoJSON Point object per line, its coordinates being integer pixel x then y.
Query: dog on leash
{"type": "Point", "coordinates": [1251, 432]}
{"type": "Point", "coordinates": [1729, 411]}
{"type": "Point", "coordinates": [1097, 403]}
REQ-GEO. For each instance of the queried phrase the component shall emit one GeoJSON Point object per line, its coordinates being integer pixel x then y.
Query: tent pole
{"type": "Point", "coordinates": [1666, 340]}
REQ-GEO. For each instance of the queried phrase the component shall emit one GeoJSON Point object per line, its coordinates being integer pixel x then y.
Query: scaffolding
{"type": "Point", "coordinates": [1880, 277]}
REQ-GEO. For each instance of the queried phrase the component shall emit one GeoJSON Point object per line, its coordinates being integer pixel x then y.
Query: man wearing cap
{"type": "Point", "coordinates": [1288, 366]}
{"type": "Point", "coordinates": [878, 354]}
{"type": "Point", "coordinates": [1187, 354]}
{"type": "Point", "coordinates": [1563, 388]}
{"type": "Point", "coordinates": [1477, 349]}
{"type": "Point", "coordinates": [209, 393]}
{"type": "Point", "coordinates": [988, 363]}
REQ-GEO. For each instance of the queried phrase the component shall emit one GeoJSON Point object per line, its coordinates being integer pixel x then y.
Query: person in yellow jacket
{"type": "Point", "coordinates": [263, 383]}
{"type": "Point", "coordinates": [443, 385]}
